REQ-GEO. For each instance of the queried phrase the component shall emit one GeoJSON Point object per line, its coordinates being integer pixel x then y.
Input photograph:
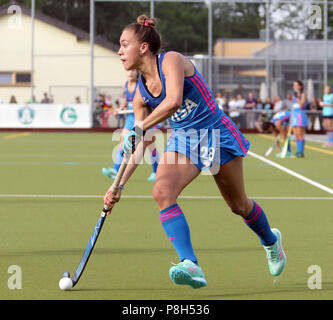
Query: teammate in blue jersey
{"type": "Point", "coordinates": [128, 94]}
{"type": "Point", "coordinates": [299, 120]}
{"type": "Point", "coordinates": [281, 120]}
{"type": "Point", "coordinates": [203, 137]}
{"type": "Point", "coordinates": [327, 105]}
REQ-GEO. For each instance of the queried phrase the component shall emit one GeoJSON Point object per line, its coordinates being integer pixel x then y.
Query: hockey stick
{"type": "Point", "coordinates": [92, 241]}
{"type": "Point", "coordinates": [286, 143]}
{"type": "Point", "coordinates": [270, 149]}
{"type": "Point", "coordinates": [125, 112]}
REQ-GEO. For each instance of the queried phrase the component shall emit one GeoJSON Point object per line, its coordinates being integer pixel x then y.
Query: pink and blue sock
{"type": "Point", "coordinates": [119, 159]}
{"type": "Point", "coordinates": [175, 226]}
{"type": "Point", "coordinates": [258, 222]}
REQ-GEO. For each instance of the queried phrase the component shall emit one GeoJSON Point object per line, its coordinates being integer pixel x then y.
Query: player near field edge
{"type": "Point", "coordinates": [327, 105]}
{"type": "Point", "coordinates": [170, 87]}
{"type": "Point", "coordinates": [299, 120]}
{"type": "Point", "coordinates": [129, 90]}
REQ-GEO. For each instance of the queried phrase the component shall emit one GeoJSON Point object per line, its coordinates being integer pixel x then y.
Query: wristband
{"type": "Point", "coordinates": [121, 187]}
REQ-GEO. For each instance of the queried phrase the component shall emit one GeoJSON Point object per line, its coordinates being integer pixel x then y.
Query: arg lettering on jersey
{"type": "Point", "coordinates": [184, 110]}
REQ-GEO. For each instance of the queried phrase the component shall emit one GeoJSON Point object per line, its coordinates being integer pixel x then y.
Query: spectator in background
{"type": "Point", "coordinates": [120, 117]}
{"type": "Point", "coordinates": [259, 105]}
{"type": "Point", "coordinates": [327, 105]}
{"type": "Point", "coordinates": [240, 101]}
{"type": "Point", "coordinates": [277, 104]}
{"type": "Point", "coordinates": [108, 101]}
{"type": "Point", "coordinates": [234, 112]}
{"type": "Point", "coordinates": [220, 100]}
{"type": "Point", "coordinates": [33, 100]}
{"type": "Point", "coordinates": [251, 102]}
{"type": "Point", "coordinates": [288, 102]}
{"type": "Point", "coordinates": [313, 117]}
{"type": "Point", "coordinates": [268, 107]}
{"type": "Point", "coordinates": [77, 100]}
{"type": "Point", "coordinates": [263, 118]}
{"type": "Point", "coordinates": [45, 99]}
{"type": "Point", "coordinates": [13, 99]}
{"type": "Point", "coordinates": [107, 111]}
{"type": "Point", "coordinates": [98, 109]}
{"type": "Point", "coordinates": [250, 105]}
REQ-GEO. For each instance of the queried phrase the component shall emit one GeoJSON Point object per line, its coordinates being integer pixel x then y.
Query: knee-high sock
{"type": "Point", "coordinates": [300, 143]}
{"type": "Point", "coordinates": [119, 158]}
{"type": "Point", "coordinates": [178, 232]}
{"type": "Point", "coordinates": [258, 222]}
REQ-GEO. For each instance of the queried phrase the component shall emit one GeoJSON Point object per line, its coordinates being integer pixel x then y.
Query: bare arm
{"type": "Point", "coordinates": [174, 69]}
{"type": "Point", "coordinates": [140, 112]}
{"type": "Point", "coordinates": [301, 101]}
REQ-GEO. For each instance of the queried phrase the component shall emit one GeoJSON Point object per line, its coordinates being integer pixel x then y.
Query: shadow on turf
{"type": "Point", "coordinates": [294, 288]}
{"type": "Point", "coordinates": [79, 251]}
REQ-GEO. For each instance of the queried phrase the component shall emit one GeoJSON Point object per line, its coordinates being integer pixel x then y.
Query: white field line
{"type": "Point", "coordinates": [292, 173]}
{"type": "Point", "coordinates": [73, 196]}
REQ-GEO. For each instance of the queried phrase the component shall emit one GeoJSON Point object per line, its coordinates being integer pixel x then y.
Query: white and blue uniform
{"type": "Point", "coordinates": [328, 111]}
{"type": "Point", "coordinates": [299, 118]}
{"type": "Point", "coordinates": [281, 116]}
{"type": "Point", "coordinates": [129, 124]}
{"type": "Point", "coordinates": [200, 129]}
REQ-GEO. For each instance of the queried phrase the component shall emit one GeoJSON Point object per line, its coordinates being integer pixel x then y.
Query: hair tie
{"type": "Point", "coordinates": [146, 23]}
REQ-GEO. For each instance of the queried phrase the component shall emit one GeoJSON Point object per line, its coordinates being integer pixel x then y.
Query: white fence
{"type": "Point", "coordinates": [45, 116]}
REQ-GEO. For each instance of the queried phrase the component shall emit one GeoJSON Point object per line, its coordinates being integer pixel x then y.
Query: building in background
{"type": "Point", "coordinates": [240, 65]}
{"type": "Point", "coordinates": [61, 59]}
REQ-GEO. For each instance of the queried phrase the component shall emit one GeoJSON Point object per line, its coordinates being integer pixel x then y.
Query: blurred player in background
{"type": "Point", "coordinates": [129, 93]}
{"type": "Point", "coordinates": [170, 87]}
{"type": "Point", "coordinates": [299, 120]}
{"type": "Point", "coordinates": [281, 120]}
{"type": "Point", "coordinates": [327, 105]}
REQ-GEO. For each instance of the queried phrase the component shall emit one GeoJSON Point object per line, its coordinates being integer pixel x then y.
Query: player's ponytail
{"type": "Point", "coordinates": [300, 83]}
{"type": "Point", "coordinates": [145, 30]}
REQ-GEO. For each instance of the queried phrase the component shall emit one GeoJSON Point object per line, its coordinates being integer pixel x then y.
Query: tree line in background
{"type": "Point", "coordinates": [184, 26]}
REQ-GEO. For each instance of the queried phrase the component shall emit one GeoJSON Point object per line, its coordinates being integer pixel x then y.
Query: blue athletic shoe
{"type": "Point", "coordinates": [187, 272]}
{"type": "Point", "coordinates": [152, 177]}
{"type": "Point", "coordinates": [110, 173]}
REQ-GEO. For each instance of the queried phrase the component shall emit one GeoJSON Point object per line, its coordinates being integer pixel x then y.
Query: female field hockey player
{"type": "Point", "coordinates": [173, 89]}
{"type": "Point", "coordinates": [281, 120]}
{"type": "Point", "coordinates": [299, 120]}
{"type": "Point", "coordinates": [129, 93]}
{"type": "Point", "coordinates": [327, 105]}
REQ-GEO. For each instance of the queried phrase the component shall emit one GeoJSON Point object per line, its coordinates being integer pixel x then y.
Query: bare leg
{"type": "Point", "coordinates": [230, 182]}
{"type": "Point", "coordinates": [172, 178]}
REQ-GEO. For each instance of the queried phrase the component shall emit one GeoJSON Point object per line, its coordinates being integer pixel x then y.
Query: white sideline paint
{"type": "Point", "coordinates": [73, 196]}
{"type": "Point", "coordinates": [291, 172]}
